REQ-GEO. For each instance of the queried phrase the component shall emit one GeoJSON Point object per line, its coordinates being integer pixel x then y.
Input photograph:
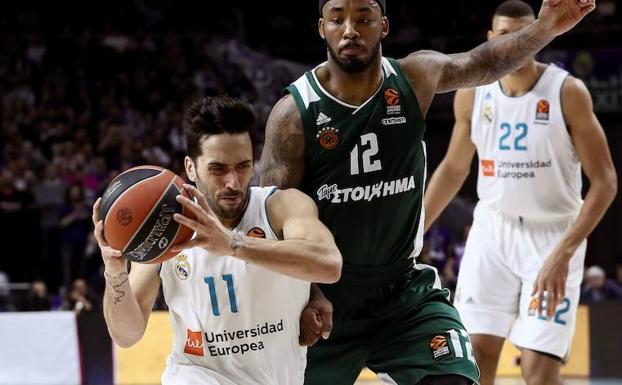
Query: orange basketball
{"type": "Point", "coordinates": [137, 208]}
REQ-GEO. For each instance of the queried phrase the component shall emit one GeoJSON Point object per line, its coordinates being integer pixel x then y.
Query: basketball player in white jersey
{"type": "Point", "coordinates": [533, 131]}
{"type": "Point", "coordinates": [235, 292]}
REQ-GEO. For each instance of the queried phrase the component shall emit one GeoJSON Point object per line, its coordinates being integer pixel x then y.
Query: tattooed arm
{"type": "Point", "coordinates": [282, 165]}
{"type": "Point", "coordinates": [128, 301]}
{"type": "Point", "coordinates": [129, 297]}
{"type": "Point", "coordinates": [282, 158]}
{"type": "Point", "coordinates": [433, 72]}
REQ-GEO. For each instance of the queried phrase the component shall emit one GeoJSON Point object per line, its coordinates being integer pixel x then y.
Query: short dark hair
{"type": "Point", "coordinates": [381, 3]}
{"type": "Point", "coordinates": [215, 115]}
{"type": "Point", "coordinates": [514, 8]}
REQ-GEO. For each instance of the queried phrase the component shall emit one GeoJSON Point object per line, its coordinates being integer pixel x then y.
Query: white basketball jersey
{"type": "Point", "coordinates": [528, 167]}
{"type": "Point", "coordinates": [234, 323]}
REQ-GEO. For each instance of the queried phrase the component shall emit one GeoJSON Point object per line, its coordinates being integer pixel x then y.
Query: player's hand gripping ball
{"type": "Point", "coordinates": [137, 208]}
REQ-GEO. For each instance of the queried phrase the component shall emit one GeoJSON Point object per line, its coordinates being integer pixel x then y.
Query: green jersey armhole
{"type": "Point", "coordinates": [405, 83]}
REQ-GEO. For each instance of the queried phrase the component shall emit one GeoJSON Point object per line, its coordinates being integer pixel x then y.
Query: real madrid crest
{"type": "Point", "coordinates": [182, 267]}
{"type": "Point", "coordinates": [487, 114]}
{"type": "Point", "coordinates": [328, 137]}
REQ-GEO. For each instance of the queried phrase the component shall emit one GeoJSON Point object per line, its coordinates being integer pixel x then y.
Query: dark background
{"type": "Point", "coordinates": [86, 87]}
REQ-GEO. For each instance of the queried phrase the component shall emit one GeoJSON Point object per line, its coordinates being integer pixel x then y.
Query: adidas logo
{"type": "Point", "coordinates": [322, 119]}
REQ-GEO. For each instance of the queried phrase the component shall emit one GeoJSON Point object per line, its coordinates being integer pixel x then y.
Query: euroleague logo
{"type": "Point", "coordinates": [542, 110]}
{"type": "Point", "coordinates": [438, 346]}
{"type": "Point", "coordinates": [124, 216]}
{"type": "Point", "coordinates": [391, 97]}
{"type": "Point", "coordinates": [256, 232]}
{"type": "Point", "coordinates": [392, 101]}
{"type": "Point", "coordinates": [533, 307]}
{"type": "Point", "coordinates": [328, 137]}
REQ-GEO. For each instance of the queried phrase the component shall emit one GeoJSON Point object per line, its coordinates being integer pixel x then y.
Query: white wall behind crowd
{"type": "Point", "coordinates": [39, 348]}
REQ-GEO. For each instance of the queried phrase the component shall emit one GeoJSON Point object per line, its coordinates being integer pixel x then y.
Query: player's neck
{"type": "Point", "coordinates": [232, 223]}
{"type": "Point", "coordinates": [522, 81]}
{"type": "Point", "coordinates": [351, 88]}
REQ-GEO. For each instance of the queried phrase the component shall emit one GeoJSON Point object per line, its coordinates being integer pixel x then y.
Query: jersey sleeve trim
{"type": "Point", "coordinates": [264, 210]}
{"type": "Point", "coordinates": [303, 92]}
{"type": "Point", "coordinates": [405, 84]}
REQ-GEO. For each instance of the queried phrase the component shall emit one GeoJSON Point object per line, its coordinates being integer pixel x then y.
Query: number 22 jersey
{"type": "Point", "coordinates": [528, 166]}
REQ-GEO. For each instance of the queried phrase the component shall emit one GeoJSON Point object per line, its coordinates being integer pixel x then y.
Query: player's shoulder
{"type": "Point", "coordinates": [289, 198]}
{"type": "Point", "coordinates": [285, 113]}
{"type": "Point", "coordinates": [465, 95]}
{"type": "Point", "coordinates": [464, 101]}
{"type": "Point", "coordinates": [290, 201]}
{"type": "Point", "coordinates": [419, 65]}
{"type": "Point", "coordinates": [574, 86]}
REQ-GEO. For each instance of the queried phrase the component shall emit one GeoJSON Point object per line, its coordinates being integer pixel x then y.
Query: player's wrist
{"type": "Point", "coordinates": [543, 29]}
{"type": "Point", "coordinates": [236, 243]}
{"type": "Point", "coordinates": [115, 275]}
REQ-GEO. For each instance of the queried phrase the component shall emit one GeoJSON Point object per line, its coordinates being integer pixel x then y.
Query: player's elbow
{"type": "Point", "coordinates": [125, 337]}
{"type": "Point", "coordinates": [125, 340]}
{"type": "Point", "coordinates": [331, 269]}
{"type": "Point", "coordinates": [611, 184]}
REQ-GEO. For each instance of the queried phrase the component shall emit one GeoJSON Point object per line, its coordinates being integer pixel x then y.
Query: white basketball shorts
{"type": "Point", "coordinates": [501, 261]}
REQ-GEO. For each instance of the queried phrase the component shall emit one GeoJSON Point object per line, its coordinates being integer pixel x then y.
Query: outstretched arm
{"type": "Point", "coordinates": [282, 158]}
{"type": "Point", "coordinates": [307, 251]}
{"type": "Point", "coordinates": [437, 72]}
{"type": "Point", "coordinates": [453, 170]}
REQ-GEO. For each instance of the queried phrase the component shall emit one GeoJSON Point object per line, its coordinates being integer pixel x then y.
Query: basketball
{"type": "Point", "coordinates": [137, 208]}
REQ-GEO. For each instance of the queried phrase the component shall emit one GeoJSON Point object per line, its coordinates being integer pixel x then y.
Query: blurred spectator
{"type": "Point", "coordinates": [38, 298]}
{"type": "Point", "coordinates": [597, 287]}
{"type": "Point", "coordinates": [93, 96]}
{"type": "Point", "coordinates": [19, 224]}
{"type": "Point", "coordinates": [5, 293]}
{"type": "Point", "coordinates": [439, 238]}
{"type": "Point", "coordinates": [76, 225]}
{"type": "Point", "coordinates": [619, 274]}
{"type": "Point", "coordinates": [49, 194]}
{"type": "Point", "coordinates": [80, 298]}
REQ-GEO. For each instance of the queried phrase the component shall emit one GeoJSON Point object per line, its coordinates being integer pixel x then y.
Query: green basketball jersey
{"type": "Point", "coordinates": [365, 168]}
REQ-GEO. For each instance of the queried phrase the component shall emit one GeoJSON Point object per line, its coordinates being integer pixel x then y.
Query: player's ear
{"type": "Point", "coordinates": [489, 35]}
{"type": "Point", "coordinates": [190, 169]}
{"type": "Point", "coordinates": [320, 28]}
{"type": "Point", "coordinates": [385, 27]}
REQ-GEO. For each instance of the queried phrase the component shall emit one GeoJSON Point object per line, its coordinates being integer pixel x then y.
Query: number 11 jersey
{"type": "Point", "coordinates": [234, 323]}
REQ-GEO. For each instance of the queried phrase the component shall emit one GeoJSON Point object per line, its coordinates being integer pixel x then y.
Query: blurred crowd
{"type": "Point", "coordinates": [82, 99]}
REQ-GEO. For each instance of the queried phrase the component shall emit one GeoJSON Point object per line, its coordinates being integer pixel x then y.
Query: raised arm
{"type": "Point", "coordinates": [455, 166]}
{"type": "Point", "coordinates": [307, 251]}
{"type": "Point", "coordinates": [282, 157]}
{"type": "Point", "coordinates": [434, 72]}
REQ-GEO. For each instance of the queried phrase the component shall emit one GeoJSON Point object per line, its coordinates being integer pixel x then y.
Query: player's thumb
{"type": "Point", "coordinates": [587, 9]}
{"type": "Point", "coordinates": [327, 324]}
{"type": "Point", "coordinates": [535, 288]}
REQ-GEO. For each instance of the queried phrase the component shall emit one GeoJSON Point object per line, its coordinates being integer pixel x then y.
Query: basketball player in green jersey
{"type": "Point", "coordinates": [350, 135]}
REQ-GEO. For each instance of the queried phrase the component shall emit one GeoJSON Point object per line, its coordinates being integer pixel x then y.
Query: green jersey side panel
{"type": "Point", "coordinates": [365, 169]}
